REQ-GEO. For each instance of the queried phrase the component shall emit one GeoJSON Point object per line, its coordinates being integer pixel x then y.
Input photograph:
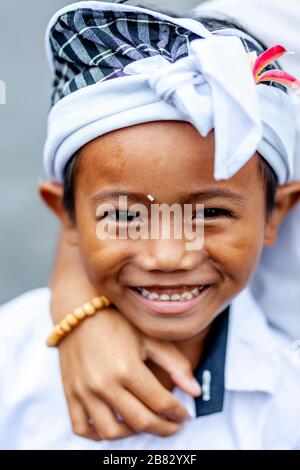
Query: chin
{"type": "Point", "coordinates": [168, 327]}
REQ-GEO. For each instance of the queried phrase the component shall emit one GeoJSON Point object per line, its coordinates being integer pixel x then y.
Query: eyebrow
{"type": "Point", "coordinates": [105, 196]}
{"type": "Point", "coordinates": [113, 195]}
{"type": "Point", "coordinates": [217, 193]}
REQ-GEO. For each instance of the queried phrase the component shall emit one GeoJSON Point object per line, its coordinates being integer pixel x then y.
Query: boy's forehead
{"type": "Point", "coordinates": [160, 132]}
{"type": "Point", "coordinates": [144, 144]}
{"type": "Point", "coordinates": [166, 155]}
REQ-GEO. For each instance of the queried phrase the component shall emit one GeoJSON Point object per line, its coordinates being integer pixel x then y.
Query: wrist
{"type": "Point", "coordinates": [70, 321]}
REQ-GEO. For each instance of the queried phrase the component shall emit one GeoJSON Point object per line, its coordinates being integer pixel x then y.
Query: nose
{"type": "Point", "coordinates": [167, 255]}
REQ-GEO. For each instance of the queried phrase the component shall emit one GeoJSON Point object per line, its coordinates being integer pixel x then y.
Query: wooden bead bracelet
{"type": "Point", "coordinates": [70, 321]}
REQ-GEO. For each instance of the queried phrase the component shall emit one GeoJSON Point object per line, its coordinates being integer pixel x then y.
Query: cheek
{"type": "Point", "coordinates": [101, 256]}
{"type": "Point", "coordinates": [237, 250]}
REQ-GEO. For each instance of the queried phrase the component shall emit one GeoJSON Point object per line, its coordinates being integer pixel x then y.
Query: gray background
{"type": "Point", "coordinates": [27, 230]}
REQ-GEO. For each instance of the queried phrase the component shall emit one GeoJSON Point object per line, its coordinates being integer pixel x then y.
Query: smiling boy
{"type": "Point", "coordinates": [258, 372]}
{"type": "Point", "coordinates": [236, 225]}
{"type": "Point", "coordinates": [197, 299]}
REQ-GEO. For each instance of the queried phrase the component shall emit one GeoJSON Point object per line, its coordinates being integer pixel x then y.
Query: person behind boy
{"type": "Point", "coordinates": [280, 265]}
{"type": "Point", "coordinates": [144, 128]}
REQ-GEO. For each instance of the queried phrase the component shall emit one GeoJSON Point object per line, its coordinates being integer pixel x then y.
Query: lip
{"type": "Point", "coordinates": [169, 308]}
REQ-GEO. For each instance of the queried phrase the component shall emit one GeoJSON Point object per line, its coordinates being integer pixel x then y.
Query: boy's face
{"type": "Point", "coordinates": [171, 162]}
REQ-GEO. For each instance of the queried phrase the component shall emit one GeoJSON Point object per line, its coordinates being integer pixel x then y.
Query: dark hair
{"type": "Point", "coordinates": [69, 185]}
{"type": "Point", "coordinates": [271, 181]}
{"type": "Point", "coordinates": [265, 170]}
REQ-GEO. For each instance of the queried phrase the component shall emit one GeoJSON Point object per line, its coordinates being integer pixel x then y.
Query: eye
{"type": "Point", "coordinates": [215, 212]}
{"type": "Point", "coordinates": [212, 213]}
{"type": "Point", "coordinates": [122, 216]}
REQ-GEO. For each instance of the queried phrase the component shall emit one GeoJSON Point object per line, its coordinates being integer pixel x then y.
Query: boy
{"type": "Point", "coordinates": [218, 324]}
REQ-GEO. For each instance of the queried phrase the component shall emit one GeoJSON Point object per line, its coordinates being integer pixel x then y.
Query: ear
{"type": "Point", "coordinates": [52, 195]}
{"type": "Point", "coordinates": [287, 197]}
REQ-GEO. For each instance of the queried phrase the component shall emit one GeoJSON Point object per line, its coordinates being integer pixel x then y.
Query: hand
{"type": "Point", "coordinates": [103, 366]}
{"type": "Point", "coordinates": [104, 374]}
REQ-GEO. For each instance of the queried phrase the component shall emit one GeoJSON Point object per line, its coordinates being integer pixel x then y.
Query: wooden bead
{"type": "Point", "coordinates": [79, 313]}
{"type": "Point", "coordinates": [58, 331]}
{"type": "Point", "coordinates": [97, 303]}
{"type": "Point", "coordinates": [105, 301]}
{"type": "Point", "coordinates": [72, 320]}
{"type": "Point", "coordinates": [52, 341]}
{"type": "Point", "coordinates": [89, 308]}
{"type": "Point", "coordinates": [64, 325]}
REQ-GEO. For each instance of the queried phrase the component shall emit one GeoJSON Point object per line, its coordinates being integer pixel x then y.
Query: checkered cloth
{"type": "Point", "coordinates": [91, 46]}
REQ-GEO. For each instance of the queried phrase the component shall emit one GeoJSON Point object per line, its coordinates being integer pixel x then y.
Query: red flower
{"type": "Point", "coordinates": [275, 75]}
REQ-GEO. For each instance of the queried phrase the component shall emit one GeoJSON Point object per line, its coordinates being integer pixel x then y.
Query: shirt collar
{"type": "Point", "coordinates": [210, 372]}
{"type": "Point", "coordinates": [240, 355]}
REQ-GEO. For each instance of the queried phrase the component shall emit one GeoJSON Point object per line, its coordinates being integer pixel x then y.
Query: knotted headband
{"type": "Point", "coordinates": [116, 66]}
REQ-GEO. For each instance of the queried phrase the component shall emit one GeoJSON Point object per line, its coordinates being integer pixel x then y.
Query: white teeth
{"type": "Point", "coordinates": [153, 296]}
{"type": "Point", "coordinates": [187, 295]}
{"type": "Point", "coordinates": [164, 297]}
{"type": "Point", "coordinates": [175, 297]}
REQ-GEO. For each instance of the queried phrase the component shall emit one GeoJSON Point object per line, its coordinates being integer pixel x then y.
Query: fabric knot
{"type": "Point", "coordinates": [210, 86]}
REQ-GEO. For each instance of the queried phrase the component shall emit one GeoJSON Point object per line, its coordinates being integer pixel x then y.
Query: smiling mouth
{"type": "Point", "coordinates": [168, 300]}
{"type": "Point", "coordinates": [173, 294]}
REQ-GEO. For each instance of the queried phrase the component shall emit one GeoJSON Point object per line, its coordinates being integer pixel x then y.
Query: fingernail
{"type": "Point", "coordinates": [195, 386]}
{"type": "Point", "coordinates": [191, 384]}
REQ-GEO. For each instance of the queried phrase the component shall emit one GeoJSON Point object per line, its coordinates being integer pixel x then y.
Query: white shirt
{"type": "Point", "coordinates": [261, 402]}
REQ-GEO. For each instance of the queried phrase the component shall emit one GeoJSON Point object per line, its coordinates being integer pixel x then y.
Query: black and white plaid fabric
{"type": "Point", "coordinates": [89, 46]}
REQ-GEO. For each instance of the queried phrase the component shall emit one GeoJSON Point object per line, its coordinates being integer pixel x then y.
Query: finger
{"type": "Point", "coordinates": [173, 361]}
{"type": "Point", "coordinates": [147, 389]}
{"type": "Point", "coordinates": [106, 422]}
{"type": "Point", "coordinates": [140, 418]}
{"type": "Point", "coordinates": [80, 420]}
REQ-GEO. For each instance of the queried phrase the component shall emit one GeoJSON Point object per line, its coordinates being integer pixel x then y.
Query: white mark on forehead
{"type": "Point", "coordinates": [150, 197]}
